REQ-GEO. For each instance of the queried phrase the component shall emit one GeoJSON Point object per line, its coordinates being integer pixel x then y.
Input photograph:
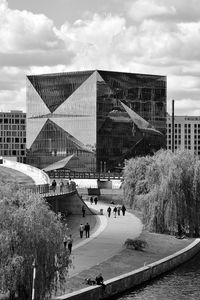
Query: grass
{"type": "Point", "coordinates": [127, 260]}
{"type": "Point", "coordinates": [11, 176]}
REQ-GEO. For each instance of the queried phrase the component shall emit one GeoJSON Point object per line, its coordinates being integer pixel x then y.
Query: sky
{"type": "Point", "coordinates": [159, 37]}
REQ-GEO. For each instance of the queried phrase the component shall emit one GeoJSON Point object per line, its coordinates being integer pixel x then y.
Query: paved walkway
{"type": "Point", "coordinates": [106, 241]}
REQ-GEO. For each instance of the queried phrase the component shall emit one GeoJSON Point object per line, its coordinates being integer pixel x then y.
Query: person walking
{"type": "Point", "coordinates": [109, 211]}
{"type": "Point", "coordinates": [95, 200]}
{"type": "Point", "coordinates": [115, 211]}
{"type": "Point", "coordinates": [69, 243]}
{"type": "Point", "coordinates": [118, 209]}
{"type": "Point", "coordinates": [83, 211]}
{"type": "Point", "coordinates": [65, 241]}
{"type": "Point", "coordinates": [87, 230]}
{"type": "Point", "coordinates": [67, 186]}
{"type": "Point", "coordinates": [61, 186]}
{"type": "Point", "coordinates": [54, 184]}
{"type": "Point", "coordinates": [91, 200]}
{"type": "Point", "coordinates": [81, 229]}
{"type": "Point", "coordinates": [123, 209]}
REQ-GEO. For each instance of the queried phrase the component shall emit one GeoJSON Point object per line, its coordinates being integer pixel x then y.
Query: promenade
{"type": "Point", "coordinates": [105, 241]}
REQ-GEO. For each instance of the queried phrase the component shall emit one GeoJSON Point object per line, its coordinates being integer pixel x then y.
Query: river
{"type": "Point", "coordinates": [183, 283]}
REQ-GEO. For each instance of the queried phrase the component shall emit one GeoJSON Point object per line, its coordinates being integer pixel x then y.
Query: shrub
{"type": "Point", "coordinates": [136, 244]}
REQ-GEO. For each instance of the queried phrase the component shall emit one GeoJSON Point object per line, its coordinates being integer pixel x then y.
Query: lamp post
{"type": "Point", "coordinates": [33, 284]}
{"type": "Point", "coordinates": [172, 125]}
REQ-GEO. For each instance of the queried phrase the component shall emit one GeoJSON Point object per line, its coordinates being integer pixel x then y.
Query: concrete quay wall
{"type": "Point", "coordinates": [130, 280]}
{"type": "Point", "coordinates": [70, 202]}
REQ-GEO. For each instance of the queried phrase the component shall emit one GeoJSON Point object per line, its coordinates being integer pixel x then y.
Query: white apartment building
{"type": "Point", "coordinates": [186, 133]}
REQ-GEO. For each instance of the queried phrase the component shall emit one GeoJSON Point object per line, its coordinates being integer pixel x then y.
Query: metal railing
{"type": "Point", "coordinates": [83, 175]}
{"type": "Point", "coordinates": [46, 190]}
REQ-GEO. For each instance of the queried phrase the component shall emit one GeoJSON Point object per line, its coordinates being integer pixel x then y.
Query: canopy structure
{"type": "Point", "coordinates": [71, 163]}
{"type": "Point", "coordinates": [141, 123]}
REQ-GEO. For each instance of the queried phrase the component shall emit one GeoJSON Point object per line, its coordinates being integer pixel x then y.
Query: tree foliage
{"type": "Point", "coordinates": [29, 230]}
{"type": "Point", "coordinates": [166, 188]}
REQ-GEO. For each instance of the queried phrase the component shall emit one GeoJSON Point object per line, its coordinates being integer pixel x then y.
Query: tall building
{"type": "Point", "coordinates": [13, 135]}
{"type": "Point", "coordinates": [186, 133]}
{"type": "Point", "coordinates": [94, 120]}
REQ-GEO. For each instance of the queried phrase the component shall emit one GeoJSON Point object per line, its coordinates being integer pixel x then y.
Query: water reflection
{"type": "Point", "coordinates": [181, 284]}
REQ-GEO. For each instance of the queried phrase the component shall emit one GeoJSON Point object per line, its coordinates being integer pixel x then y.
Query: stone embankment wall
{"type": "Point", "coordinates": [70, 202]}
{"type": "Point", "coordinates": [130, 280]}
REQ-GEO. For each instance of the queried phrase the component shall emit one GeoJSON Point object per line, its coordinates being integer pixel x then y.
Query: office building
{"type": "Point", "coordinates": [94, 120]}
{"type": "Point", "coordinates": [186, 133]}
{"type": "Point", "coordinates": [13, 135]}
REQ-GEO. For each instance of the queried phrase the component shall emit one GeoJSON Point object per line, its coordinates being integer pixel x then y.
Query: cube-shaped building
{"type": "Point", "coordinates": [94, 120]}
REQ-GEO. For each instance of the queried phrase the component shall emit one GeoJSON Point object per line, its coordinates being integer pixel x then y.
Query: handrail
{"type": "Point", "coordinates": [47, 190]}
{"type": "Point", "coordinates": [62, 173]}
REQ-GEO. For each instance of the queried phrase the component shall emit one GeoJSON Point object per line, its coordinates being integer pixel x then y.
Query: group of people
{"type": "Point", "coordinates": [95, 200]}
{"type": "Point", "coordinates": [68, 185]}
{"type": "Point", "coordinates": [68, 240]}
{"type": "Point", "coordinates": [98, 280]}
{"type": "Point", "coordinates": [116, 210]}
{"type": "Point", "coordinates": [85, 228]}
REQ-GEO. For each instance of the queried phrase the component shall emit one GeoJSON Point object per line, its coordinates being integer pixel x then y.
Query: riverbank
{"type": "Point", "coordinates": [127, 260]}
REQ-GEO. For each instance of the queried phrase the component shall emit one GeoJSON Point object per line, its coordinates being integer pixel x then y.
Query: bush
{"type": "Point", "coordinates": [136, 244]}
{"type": "Point", "coordinates": [30, 231]}
{"type": "Point", "coordinates": [166, 189]}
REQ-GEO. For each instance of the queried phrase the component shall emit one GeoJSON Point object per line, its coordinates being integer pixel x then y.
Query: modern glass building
{"type": "Point", "coordinates": [94, 120]}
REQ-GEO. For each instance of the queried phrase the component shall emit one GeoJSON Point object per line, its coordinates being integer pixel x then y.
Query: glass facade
{"type": "Point", "coordinates": [101, 117]}
{"type": "Point", "coordinates": [119, 95]}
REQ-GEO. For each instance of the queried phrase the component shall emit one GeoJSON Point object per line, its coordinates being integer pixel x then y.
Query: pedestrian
{"type": "Point", "coordinates": [95, 200]}
{"type": "Point", "coordinates": [123, 209]}
{"type": "Point", "coordinates": [87, 230]}
{"type": "Point", "coordinates": [115, 211]}
{"type": "Point", "coordinates": [54, 184]}
{"type": "Point", "coordinates": [61, 186]}
{"type": "Point", "coordinates": [100, 281]}
{"type": "Point", "coordinates": [91, 200]}
{"type": "Point", "coordinates": [81, 229]}
{"type": "Point", "coordinates": [67, 185]}
{"type": "Point", "coordinates": [109, 211]}
{"type": "Point", "coordinates": [65, 241]}
{"type": "Point", "coordinates": [83, 211]}
{"type": "Point", "coordinates": [69, 243]}
{"type": "Point", "coordinates": [118, 209]}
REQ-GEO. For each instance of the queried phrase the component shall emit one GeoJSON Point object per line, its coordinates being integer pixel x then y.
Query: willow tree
{"type": "Point", "coordinates": [166, 188]}
{"type": "Point", "coordinates": [29, 231]}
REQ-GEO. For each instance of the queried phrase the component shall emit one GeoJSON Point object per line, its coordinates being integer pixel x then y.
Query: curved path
{"type": "Point", "coordinates": [106, 241]}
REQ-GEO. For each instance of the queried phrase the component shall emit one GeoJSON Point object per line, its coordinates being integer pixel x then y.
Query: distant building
{"type": "Point", "coordinates": [186, 133]}
{"type": "Point", "coordinates": [94, 120]}
{"type": "Point", "coordinates": [13, 135]}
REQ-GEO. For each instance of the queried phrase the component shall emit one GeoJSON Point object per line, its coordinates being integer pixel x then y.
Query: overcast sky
{"type": "Point", "coordinates": [139, 36]}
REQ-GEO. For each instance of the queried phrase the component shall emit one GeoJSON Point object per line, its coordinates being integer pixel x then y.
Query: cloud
{"type": "Point", "coordinates": [36, 58]}
{"type": "Point", "coordinates": [145, 9]}
{"type": "Point", "coordinates": [12, 99]}
{"type": "Point", "coordinates": [162, 10]}
{"type": "Point", "coordinates": [157, 38]}
{"type": "Point", "coordinates": [24, 31]}
{"type": "Point", "coordinates": [185, 106]}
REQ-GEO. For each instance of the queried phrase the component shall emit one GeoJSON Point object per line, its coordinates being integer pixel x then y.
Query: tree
{"type": "Point", "coordinates": [29, 230]}
{"type": "Point", "coordinates": [166, 188]}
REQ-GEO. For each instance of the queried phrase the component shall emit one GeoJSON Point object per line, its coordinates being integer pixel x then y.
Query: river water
{"type": "Point", "coordinates": [183, 283]}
